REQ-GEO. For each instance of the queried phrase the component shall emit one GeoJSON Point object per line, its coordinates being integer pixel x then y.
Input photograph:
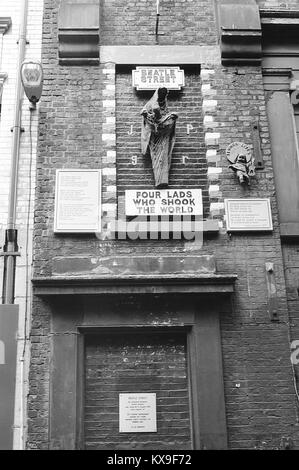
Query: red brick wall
{"type": "Point", "coordinates": [181, 22]}
{"type": "Point", "coordinates": [69, 137]}
{"type": "Point", "coordinates": [187, 104]}
{"type": "Point", "coordinates": [260, 397]}
{"type": "Point", "coordinates": [136, 364]}
{"type": "Point", "coordinates": [38, 397]}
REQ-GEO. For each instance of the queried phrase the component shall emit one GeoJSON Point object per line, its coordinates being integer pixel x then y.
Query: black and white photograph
{"type": "Point", "coordinates": [149, 228]}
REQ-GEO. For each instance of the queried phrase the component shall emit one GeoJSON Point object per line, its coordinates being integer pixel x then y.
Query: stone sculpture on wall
{"type": "Point", "coordinates": [242, 162]}
{"type": "Point", "coordinates": [158, 135]}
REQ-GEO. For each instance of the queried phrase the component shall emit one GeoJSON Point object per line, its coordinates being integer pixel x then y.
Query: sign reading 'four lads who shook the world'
{"type": "Point", "coordinates": [77, 201]}
{"type": "Point", "coordinates": [151, 78]}
{"type": "Point", "coordinates": [248, 214]}
{"type": "Point", "coordinates": [167, 202]}
{"type": "Point", "coordinates": [137, 412]}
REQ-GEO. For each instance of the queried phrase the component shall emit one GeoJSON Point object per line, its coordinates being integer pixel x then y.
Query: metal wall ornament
{"type": "Point", "coordinates": [241, 161]}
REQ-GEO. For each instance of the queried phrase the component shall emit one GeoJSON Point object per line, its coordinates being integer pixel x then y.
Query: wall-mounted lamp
{"type": "Point", "coordinates": [32, 80]}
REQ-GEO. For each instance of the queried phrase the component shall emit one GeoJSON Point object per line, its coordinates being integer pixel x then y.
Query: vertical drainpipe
{"type": "Point", "coordinates": [11, 233]}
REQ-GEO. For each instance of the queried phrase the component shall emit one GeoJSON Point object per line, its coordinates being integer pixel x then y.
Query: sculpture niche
{"type": "Point", "coordinates": [158, 135]}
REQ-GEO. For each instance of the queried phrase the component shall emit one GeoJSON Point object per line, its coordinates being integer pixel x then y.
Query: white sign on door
{"type": "Point", "coordinates": [137, 412]}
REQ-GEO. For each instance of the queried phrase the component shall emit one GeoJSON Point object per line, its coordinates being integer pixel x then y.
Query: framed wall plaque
{"type": "Point", "coordinates": [77, 201]}
{"type": "Point", "coordinates": [137, 412]}
{"type": "Point", "coordinates": [248, 215]}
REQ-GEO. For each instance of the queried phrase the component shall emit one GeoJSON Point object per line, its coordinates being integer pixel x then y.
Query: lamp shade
{"type": "Point", "coordinates": [32, 80]}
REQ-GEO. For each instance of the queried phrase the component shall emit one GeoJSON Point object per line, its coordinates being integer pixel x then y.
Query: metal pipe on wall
{"type": "Point", "coordinates": [11, 234]}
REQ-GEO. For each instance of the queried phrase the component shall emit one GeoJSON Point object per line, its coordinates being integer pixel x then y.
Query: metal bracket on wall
{"type": "Point", "coordinates": [157, 34]}
{"type": "Point", "coordinates": [258, 156]}
{"type": "Point", "coordinates": [22, 129]}
{"type": "Point", "coordinates": [10, 253]}
{"type": "Point", "coordinates": [272, 292]}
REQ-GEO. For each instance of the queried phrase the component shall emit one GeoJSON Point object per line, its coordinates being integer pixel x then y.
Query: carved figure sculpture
{"type": "Point", "coordinates": [158, 135]}
{"type": "Point", "coordinates": [242, 169]}
{"type": "Point", "coordinates": [242, 163]}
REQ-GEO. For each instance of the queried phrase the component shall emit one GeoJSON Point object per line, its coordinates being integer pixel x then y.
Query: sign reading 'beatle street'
{"type": "Point", "coordinates": [250, 214]}
{"type": "Point", "coordinates": [151, 78]}
{"type": "Point", "coordinates": [167, 202]}
{"type": "Point", "coordinates": [137, 412]}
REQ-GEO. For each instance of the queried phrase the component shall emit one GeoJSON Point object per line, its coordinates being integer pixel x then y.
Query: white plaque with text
{"type": "Point", "coordinates": [77, 201]}
{"type": "Point", "coordinates": [151, 78]}
{"type": "Point", "coordinates": [248, 214]}
{"type": "Point", "coordinates": [157, 202]}
{"type": "Point", "coordinates": [137, 412]}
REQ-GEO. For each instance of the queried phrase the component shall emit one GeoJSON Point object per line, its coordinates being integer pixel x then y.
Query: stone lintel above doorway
{"type": "Point", "coordinates": [134, 285]}
{"type": "Point", "coordinates": [128, 265]}
{"type": "Point", "coordinates": [78, 275]}
{"type": "Point", "coordinates": [160, 55]}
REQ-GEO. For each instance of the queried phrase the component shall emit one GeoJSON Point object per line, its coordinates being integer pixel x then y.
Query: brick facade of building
{"type": "Point", "coordinates": [90, 118]}
{"type": "Point", "coordinates": [12, 12]}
